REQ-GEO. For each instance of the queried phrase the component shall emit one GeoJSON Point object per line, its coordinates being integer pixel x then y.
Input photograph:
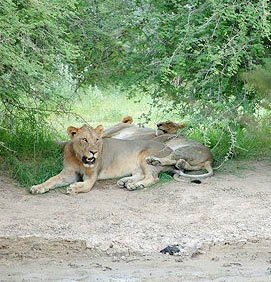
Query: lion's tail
{"type": "Point", "coordinates": [178, 173]}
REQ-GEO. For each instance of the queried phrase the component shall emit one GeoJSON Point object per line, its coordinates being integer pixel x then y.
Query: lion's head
{"type": "Point", "coordinates": [168, 127]}
{"type": "Point", "coordinates": [127, 119]}
{"type": "Point", "coordinates": [86, 143]}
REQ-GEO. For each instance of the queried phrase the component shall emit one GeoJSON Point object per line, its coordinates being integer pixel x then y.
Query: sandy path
{"type": "Point", "coordinates": [222, 227]}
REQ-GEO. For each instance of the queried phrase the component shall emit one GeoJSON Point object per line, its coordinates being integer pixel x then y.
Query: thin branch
{"type": "Point", "coordinates": [2, 144]}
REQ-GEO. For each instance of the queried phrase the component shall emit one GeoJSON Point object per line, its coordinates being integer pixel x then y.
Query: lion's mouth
{"type": "Point", "coordinates": [88, 161]}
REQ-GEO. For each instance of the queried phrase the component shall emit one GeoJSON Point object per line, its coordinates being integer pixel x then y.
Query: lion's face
{"type": "Point", "coordinates": [168, 127]}
{"type": "Point", "coordinates": [87, 143]}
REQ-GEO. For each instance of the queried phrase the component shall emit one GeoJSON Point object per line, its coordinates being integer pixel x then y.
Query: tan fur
{"type": "Point", "coordinates": [127, 131]}
{"type": "Point", "coordinates": [188, 154]}
{"type": "Point", "coordinates": [127, 119]}
{"type": "Point", "coordinates": [168, 127]}
{"type": "Point", "coordinates": [88, 155]}
{"type": "Point", "coordinates": [125, 122]}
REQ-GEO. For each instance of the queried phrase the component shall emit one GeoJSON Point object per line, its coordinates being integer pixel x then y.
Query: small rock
{"type": "Point", "coordinates": [170, 249]}
{"type": "Point", "coordinates": [215, 259]}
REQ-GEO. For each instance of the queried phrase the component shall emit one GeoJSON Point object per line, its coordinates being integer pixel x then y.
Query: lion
{"type": "Point", "coordinates": [187, 154]}
{"type": "Point", "coordinates": [128, 131]}
{"type": "Point", "coordinates": [168, 127]}
{"type": "Point", "coordinates": [87, 155]}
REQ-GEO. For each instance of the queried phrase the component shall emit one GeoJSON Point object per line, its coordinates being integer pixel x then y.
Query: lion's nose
{"type": "Point", "coordinates": [93, 153]}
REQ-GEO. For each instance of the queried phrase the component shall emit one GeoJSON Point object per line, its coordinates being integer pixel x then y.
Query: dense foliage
{"type": "Point", "coordinates": [259, 80]}
{"type": "Point", "coordinates": [33, 49]}
{"type": "Point", "coordinates": [181, 50]}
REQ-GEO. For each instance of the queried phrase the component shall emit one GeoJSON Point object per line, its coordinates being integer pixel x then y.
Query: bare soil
{"type": "Point", "coordinates": [221, 226]}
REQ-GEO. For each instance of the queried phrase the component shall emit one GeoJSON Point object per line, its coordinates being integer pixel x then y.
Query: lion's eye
{"type": "Point", "coordinates": [97, 139]}
{"type": "Point", "coordinates": [85, 140]}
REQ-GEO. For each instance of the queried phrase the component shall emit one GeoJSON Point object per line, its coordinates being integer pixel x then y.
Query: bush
{"type": "Point", "coordinates": [30, 153]}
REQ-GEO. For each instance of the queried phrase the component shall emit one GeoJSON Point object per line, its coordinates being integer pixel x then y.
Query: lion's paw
{"type": "Point", "coordinates": [38, 189]}
{"type": "Point", "coordinates": [153, 161]}
{"type": "Point", "coordinates": [180, 164]}
{"type": "Point", "coordinates": [74, 188]}
{"type": "Point", "coordinates": [122, 183]}
{"type": "Point", "coordinates": [70, 191]}
{"type": "Point", "coordinates": [134, 186]}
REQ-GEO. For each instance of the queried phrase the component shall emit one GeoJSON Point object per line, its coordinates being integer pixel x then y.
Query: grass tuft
{"type": "Point", "coordinates": [30, 154]}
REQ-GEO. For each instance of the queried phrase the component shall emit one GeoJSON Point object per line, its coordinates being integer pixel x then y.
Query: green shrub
{"type": "Point", "coordinates": [29, 153]}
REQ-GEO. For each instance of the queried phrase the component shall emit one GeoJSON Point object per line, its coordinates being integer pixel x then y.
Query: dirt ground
{"type": "Point", "coordinates": [222, 228]}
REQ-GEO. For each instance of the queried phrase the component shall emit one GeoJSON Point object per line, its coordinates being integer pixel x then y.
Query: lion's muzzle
{"type": "Point", "coordinates": [90, 160]}
{"type": "Point", "coordinates": [160, 131]}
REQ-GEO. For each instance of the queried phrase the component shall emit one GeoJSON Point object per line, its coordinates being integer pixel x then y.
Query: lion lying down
{"type": "Point", "coordinates": [126, 130]}
{"type": "Point", "coordinates": [90, 156]}
{"type": "Point", "coordinates": [187, 154]}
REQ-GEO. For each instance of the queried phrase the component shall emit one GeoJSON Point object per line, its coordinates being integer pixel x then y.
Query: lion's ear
{"type": "Point", "coordinates": [181, 125]}
{"type": "Point", "coordinates": [127, 119]}
{"type": "Point", "coordinates": [72, 131]}
{"type": "Point", "coordinates": [99, 130]}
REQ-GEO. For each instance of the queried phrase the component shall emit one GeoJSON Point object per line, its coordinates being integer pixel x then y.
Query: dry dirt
{"type": "Point", "coordinates": [222, 228]}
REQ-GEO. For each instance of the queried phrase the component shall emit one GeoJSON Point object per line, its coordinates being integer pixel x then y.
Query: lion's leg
{"type": "Point", "coordinates": [137, 176]}
{"type": "Point", "coordinates": [65, 177]}
{"type": "Point", "coordinates": [147, 181]}
{"type": "Point", "coordinates": [155, 161]}
{"type": "Point", "coordinates": [150, 176]}
{"type": "Point", "coordinates": [82, 187]}
{"type": "Point", "coordinates": [184, 165]}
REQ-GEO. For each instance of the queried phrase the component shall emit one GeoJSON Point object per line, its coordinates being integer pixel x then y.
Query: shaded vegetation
{"type": "Point", "coordinates": [31, 154]}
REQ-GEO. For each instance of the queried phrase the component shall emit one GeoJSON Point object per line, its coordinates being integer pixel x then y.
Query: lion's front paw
{"type": "Point", "coordinates": [38, 189]}
{"type": "Point", "coordinates": [70, 191]}
{"type": "Point", "coordinates": [75, 188]}
{"type": "Point", "coordinates": [153, 161]}
{"type": "Point", "coordinates": [180, 164]}
{"type": "Point", "coordinates": [122, 183]}
{"type": "Point", "coordinates": [134, 186]}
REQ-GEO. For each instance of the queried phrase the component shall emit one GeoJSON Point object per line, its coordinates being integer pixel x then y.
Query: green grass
{"type": "Point", "coordinates": [31, 156]}
{"type": "Point", "coordinates": [236, 142]}
{"type": "Point", "coordinates": [107, 108]}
